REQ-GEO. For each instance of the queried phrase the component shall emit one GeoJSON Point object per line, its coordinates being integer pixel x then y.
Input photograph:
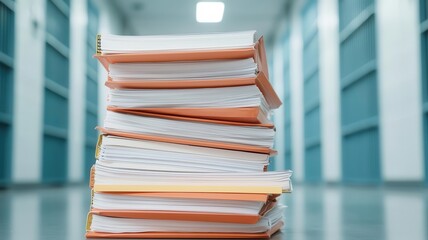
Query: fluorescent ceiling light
{"type": "Point", "coordinates": [209, 12]}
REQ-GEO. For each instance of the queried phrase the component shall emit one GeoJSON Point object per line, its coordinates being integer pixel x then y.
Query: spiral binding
{"type": "Point", "coordinates": [98, 44]}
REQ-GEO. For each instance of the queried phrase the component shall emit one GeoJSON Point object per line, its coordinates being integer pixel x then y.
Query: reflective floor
{"type": "Point", "coordinates": [314, 212]}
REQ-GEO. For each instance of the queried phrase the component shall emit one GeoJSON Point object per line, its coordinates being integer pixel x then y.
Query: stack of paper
{"type": "Point", "coordinates": [185, 145]}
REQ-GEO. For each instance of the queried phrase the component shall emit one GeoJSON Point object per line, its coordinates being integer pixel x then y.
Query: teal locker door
{"type": "Point", "coordinates": [311, 93]}
{"type": "Point", "coordinates": [424, 55]}
{"type": "Point", "coordinates": [91, 90]}
{"type": "Point", "coordinates": [359, 100]}
{"type": "Point", "coordinates": [7, 35]}
{"type": "Point", "coordinates": [272, 160]}
{"type": "Point", "coordinates": [55, 137]}
{"type": "Point", "coordinates": [287, 102]}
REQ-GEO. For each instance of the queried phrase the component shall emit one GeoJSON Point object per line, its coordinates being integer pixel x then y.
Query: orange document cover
{"type": "Point", "coordinates": [245, 114]}
{"type": "Point", "coordinates": [187, 118]}
{"type": "Point", "coordinates": [180, 216]}
{"type": "Point", "coordinates": [179, 55]}
{"type": "Point", "coordinates": [256, 197]}
{"type": "Point", "coordinates": [188, 235]}
{"type": "Point", "coordinates": [270, 202]}
{"type": "Point", "coordinates": [192, 142]}
{"type": "Point", "coordinates": [257, 52]}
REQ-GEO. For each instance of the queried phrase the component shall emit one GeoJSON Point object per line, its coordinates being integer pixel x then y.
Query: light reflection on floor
{"type": "Point", "coordinates": [314, 212]}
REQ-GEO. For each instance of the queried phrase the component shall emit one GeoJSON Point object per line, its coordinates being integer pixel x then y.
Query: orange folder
{"type": "Point", "coordinates": [186, 216]}
{"type": "Point", "coordinates": [244, 115]}
{"type": "Point", "coordinates": [180, 84]}
{"type": "Point", "coordinates": [257, 52]}
{"type": "Point", "coordinates": [180, 216]}
{"type": "Point", "coordinates": [270, 202]}
{"type": "Point", "coordinates": [188, 235]}
{"type": "Point", "coordinates": [186, 118]}
{"type": "Point", "coordinates": [256, 197]}
{"type": "Point", "coordinates": [192, 142]}
{"type": "Point", "coordinates": [178, 55]}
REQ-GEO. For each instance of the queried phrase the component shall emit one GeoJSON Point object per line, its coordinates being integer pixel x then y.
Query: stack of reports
{"type": "Point", "coordinates": [186, 141]}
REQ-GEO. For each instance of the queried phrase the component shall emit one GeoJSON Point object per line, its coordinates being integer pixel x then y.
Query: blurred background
{"type": "Point", "coordinates": [352, 75]}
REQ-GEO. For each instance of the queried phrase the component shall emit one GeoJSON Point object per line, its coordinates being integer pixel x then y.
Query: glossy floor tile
{"type": "Point", "coordinates": [313, 212]}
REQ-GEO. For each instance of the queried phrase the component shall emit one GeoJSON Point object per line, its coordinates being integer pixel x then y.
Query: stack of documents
{"type": "Point", "coordinates": [186, 141]}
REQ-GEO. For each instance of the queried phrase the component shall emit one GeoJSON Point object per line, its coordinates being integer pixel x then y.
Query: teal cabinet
{"type": "Point", "coordinates": [7, 39]}
{"type": "Point", "coordinates": [287, 102]}
{"type": "Point", "coordinates": [424, 55]}
{"type": "Point", "coordinates": [91, 118]}
{"type": "Point", "coordinates": [359, 94]}
{"type": "Point", "coordinates": [56, 95]}
{"type": "Point", "coordinates": [311, 94]}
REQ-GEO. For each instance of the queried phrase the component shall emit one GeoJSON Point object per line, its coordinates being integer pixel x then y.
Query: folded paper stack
{"type": "Point", "coordinates": [186, 140]}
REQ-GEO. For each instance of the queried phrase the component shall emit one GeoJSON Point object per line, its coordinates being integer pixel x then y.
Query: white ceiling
{"type": "Point", "coordinates": [144, 17]}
